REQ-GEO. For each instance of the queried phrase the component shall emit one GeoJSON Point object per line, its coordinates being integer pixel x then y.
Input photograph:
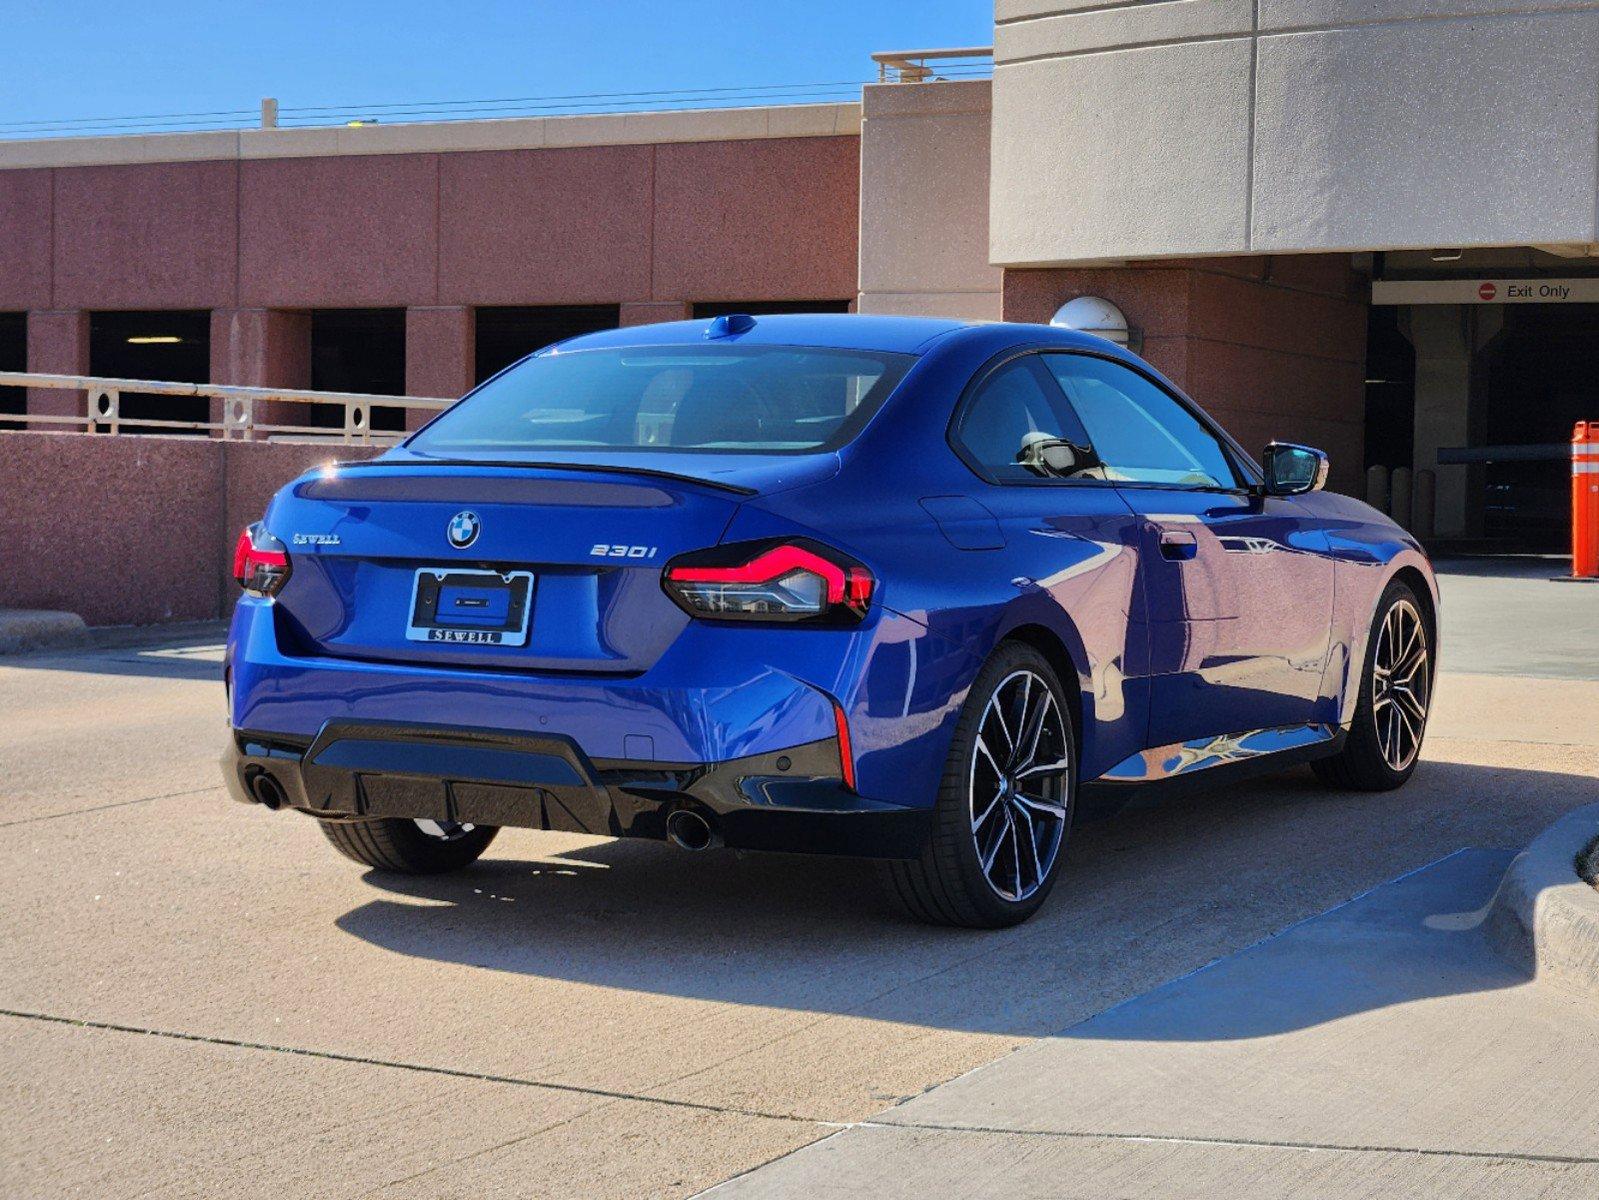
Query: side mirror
{"type": "Point", "coordinates": [1293, 470]}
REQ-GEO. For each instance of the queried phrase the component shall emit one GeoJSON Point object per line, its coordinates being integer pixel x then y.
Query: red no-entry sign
{"type": "Point", "coordinates": [1487, 291]}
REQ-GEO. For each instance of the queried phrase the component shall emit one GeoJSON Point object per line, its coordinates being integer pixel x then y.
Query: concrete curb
{"type": "Point", "coordinates": [26, 630]}
{"type": "Point", "coordinates": [1547, 917]}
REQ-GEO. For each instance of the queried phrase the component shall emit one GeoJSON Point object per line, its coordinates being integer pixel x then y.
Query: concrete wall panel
{"type": "Point", "coordinates": [1471, 132]}
{"type": "Point", "coordinates": [338, 232]}
{"type": "Point", "coordinates": [157, 235]}
{"type": "Point", "coordinates": [545, 226]}
{"type": "Point", "coordinates": [924, 201]}
{"type": "Point", "coordinates": [1122, 155]}
{"type": "Point", "coordinates": [774, 219]}
{"type": "Point", "coordinates": [1122, 25]}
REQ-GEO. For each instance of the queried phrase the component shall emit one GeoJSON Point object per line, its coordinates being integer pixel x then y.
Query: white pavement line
{"type": "Point", "coordinates": [423, 1068]}
{"type": "Point", "coordinates": [74, 812]}
{"type": "Point", "coordinates": [1238, 1143]}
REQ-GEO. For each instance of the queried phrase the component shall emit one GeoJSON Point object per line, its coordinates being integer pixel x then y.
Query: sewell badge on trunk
{"type": "Point", "coordinates": [473, 607]}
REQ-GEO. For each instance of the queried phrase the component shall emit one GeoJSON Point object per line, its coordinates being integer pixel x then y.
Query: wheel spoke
{"type": "Point", "coordinates": [982, 748]}
{"type": "Point", "coordinates": [997, 709]}
{"type": "Point", "coordinates": [999, 840]}
{"type": "Point", "coordinates": [1035, 731]}
{"type": "Point", "coordinates": [1058, 767]}
{"type": "Point", "coordinates": [1039, 805]}
{"type": "Point", "coordinates": [1410, 666]}
{"type": "Point", "coordinates": [1032, 847]}
{"type": "Point", "coordinates": [977, 822]}
{"type": "Point", "coordinates": [1016, 858]}
{"type": "Point", "coordinates": [1023, 720]}
{"type": "Point", "coordinates": [1410, 703]}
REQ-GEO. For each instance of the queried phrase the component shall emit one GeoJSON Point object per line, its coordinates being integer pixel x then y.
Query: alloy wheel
{"type": "Point", "coordinates": [445, 831]}
{"type": "Point", "coordinates": [1018, 785]}
{"type": "Point", "coordinates": [1401, 685]}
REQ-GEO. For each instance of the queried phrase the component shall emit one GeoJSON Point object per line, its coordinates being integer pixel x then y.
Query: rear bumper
{"type": "Point", "coordinates": [789, 800]}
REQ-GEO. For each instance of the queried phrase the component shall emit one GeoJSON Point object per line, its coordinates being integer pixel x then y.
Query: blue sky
{"type": "Point", "coordinates": [93, 58]}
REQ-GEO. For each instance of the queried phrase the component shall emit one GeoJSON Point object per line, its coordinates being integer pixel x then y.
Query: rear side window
{"type": "Point", "coordinates": [717, 398]}
{"type": "Point", "coordinates": [1017, 428]}
{"type": "Point", "coordinates": [1140, 432]}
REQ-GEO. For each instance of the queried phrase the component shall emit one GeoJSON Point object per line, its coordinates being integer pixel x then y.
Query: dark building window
{"type": "Point", "coordinates": [1390, 389]}
{"type": "Point", "coordinates": [13, 357]}
{"type": "Point", "coordinates": [174, 347]}
{"type": "Point", "coordinates": [755, 308]}
{"type": "Point", "coordinates": [358, 350]}
{"type": "Point", "coordinates": [506, 334]}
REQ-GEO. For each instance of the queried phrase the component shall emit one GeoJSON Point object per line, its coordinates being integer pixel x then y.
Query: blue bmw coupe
{"type": "Point", "coordinates": [914, 590]}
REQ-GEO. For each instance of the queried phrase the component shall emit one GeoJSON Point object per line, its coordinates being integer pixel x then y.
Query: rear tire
{"type": "Point", "coordinates": [1384, 742]}
{"type": "Point", "coordinates": [396, 844]}
{"type": "Point", "coordinates": [1010, 779]}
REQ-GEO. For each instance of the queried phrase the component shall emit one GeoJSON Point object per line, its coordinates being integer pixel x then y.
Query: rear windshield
{"type": "Point", "coordinates": [742, 399]}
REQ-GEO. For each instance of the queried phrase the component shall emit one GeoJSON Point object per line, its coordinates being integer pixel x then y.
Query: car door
{"type": "Point", "coordinates": [1070, 542]}
{"type": "Point", "coordinates": [1237, 587]}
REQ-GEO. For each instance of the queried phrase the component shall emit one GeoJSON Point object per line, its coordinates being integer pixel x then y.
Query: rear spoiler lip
{"type": "Point", "coordinates": [736, 489]}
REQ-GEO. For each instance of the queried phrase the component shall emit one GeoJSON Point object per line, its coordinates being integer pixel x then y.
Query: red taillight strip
{"type": "Point", "coordinates": [246, 556]}
{"type": "Point", "coordinates": [846, 753]}
{"type": "Point", "coordinates": [779, 561]}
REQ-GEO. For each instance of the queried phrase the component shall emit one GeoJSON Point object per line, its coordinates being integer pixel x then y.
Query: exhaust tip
{"type": "Point", "coordinates": [267, 791]}
{"type": "Point", "coordinates": [687, 830]}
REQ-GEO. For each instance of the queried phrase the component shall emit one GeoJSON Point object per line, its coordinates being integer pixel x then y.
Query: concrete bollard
{"type": "Point", "coordinates": [1377, 487]}
{"type": "Point", "coordinates": [1423, 500]}
{"type": "Point", "coordinates": [1399, 505]}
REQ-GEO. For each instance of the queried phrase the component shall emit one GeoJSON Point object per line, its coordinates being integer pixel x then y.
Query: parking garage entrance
{"type": "Point", "coordinates": [1538, 380]}
{"type": "Point", "coordinates": [1484, 393]}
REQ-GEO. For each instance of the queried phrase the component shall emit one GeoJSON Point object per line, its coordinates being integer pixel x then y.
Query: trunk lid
{"type": "Point", "coordinates": [593, 539]}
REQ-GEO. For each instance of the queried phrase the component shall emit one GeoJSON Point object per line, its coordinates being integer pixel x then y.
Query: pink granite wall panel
{"type": "Point", "coordinates": [140, 544]}
{"type": "Point", "coordinates": [24, 239]}
{"type": "Point", "coordinates": [151, 235]}
{"type": "Point", "coordinates": [774, 219]}
{"type": "Point", "coordinates": [560, 226]}
{"type": "Point", "coordinates": [58, 344]}
{"type": "Point", "coordinates": [262, 347]}
{"type": "Point", "coordinates": [359, 231]}
{"type": "Point", "coordinates": [652, 312]}
{"type": "Point", "coordinates": [153, 539]}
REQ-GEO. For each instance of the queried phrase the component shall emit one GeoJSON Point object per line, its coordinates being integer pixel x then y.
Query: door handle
{"type": "Point", "coordinates": [1178, 544]}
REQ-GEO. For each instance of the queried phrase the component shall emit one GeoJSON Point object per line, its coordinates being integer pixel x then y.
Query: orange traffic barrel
{"type": "Point", "coordinates": [1585, 500]}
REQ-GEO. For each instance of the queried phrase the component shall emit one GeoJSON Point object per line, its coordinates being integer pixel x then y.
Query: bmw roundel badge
{"type": "Point", "coordinates": [463, 529]}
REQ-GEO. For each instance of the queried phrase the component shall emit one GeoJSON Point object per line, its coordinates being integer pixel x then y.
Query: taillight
{"type": "Point", "coordinates": [260, 562]}
{"type": "Point", "coordinates": [791, 580]}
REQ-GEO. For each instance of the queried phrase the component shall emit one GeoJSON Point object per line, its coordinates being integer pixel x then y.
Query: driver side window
{"type": "Point", "coordinates": [1140, 432]}
{"type": "Point", "coordinates": [1018, 429]}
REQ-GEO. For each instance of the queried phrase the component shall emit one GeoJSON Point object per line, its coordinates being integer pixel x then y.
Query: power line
{"type": "Point", "coordinates": [457, 110]}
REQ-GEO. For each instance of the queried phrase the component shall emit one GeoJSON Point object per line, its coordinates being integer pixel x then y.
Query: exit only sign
{"type": "Point", "coordinates": [1485, 291]}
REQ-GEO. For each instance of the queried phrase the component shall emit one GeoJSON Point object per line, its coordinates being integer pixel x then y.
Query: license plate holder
{"type": "Point", "coordinates": [451, 606]}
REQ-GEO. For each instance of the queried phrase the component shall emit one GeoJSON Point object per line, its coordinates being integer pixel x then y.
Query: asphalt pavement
{"type": "Point", "coordinates": [199, 998]}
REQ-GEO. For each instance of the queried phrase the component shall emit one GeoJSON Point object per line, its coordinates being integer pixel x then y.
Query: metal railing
{"type": "Point", "coordinates": [245, 416]}
{"type": "Point", "coordinates": [910, 66]}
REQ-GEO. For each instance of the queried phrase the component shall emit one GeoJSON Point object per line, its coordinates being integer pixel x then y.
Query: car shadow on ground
{"type": "Point", "coordinates": [1150, 894]}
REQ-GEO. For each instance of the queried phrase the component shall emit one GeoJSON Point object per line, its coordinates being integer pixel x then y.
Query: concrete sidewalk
{"type": "Point", "coordinates": [1380, 1048]}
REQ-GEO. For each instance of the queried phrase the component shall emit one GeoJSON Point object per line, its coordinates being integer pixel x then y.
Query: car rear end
{"type": "Point", "coordinates": [532, 615]}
